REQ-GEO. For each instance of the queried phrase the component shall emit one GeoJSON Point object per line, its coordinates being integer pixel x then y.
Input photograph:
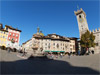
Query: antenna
{"type": "Point", "coordinates": [77, 7]}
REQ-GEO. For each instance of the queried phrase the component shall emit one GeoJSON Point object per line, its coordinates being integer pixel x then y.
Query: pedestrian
{"type": "Point", "coordinates": [68, 55]}
{"type": "Point", "coordinates": [78, 52]}
{"type": "Point", "coordinates": [56, 56]}
{"type": "Point", "coordinates": [92, 52]}
{"type": "Point", "coordinates": [24, 53]}
{"type": "Point", "coordinates": [8, 50]}
{"type": "Point", "coordinates": [61, 55]}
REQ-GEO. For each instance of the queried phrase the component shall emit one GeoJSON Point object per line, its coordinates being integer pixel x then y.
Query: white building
{"type": "Point", "coordinates": [49, 43]}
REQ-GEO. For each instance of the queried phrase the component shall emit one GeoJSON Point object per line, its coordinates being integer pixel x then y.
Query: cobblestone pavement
{"type": "Point", "coordinates": [10, 63]}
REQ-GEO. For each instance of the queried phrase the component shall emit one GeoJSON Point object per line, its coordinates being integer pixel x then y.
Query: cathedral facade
{"type": "Point", "coordinates": [83, 27]}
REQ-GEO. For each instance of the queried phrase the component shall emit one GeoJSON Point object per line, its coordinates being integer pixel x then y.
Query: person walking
{"type": "Point", "coordinates": [78, 52]}
{"type": "Point", "coordinates": [8, 50]}
{"type": "Point", "coordinates": [24, 53]}
{"type": "Point", "coordinates": [68, 55]}
{"type": "Point", "coordinates": [61, 55]}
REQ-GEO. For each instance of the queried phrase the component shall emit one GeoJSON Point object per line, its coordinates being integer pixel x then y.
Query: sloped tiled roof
{"type": "Point", "coordinates": [3, 30]}
{"type": "Point", "coordinates": [12, 28]}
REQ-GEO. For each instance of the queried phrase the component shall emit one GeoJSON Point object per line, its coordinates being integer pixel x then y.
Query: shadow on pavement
{"type": "Point", "coordinates": [43, 65]}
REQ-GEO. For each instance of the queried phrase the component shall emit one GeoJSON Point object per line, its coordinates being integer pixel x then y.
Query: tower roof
{"type": "Point", "coordinates": [41, 33]}
{"type": "Point", "coordinates": [79, 12]}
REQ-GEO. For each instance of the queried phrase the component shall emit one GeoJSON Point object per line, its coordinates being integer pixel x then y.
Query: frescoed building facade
{"type": "Point", "coordinates": [13, 37]}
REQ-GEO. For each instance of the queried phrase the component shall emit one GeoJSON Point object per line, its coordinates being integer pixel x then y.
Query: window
{"type": "Point", "coordinates": [45, 47]}
{"type": "Point", "coordinates": [9, 38]}
{"type": "Point", "coordinates": [6, 37]}
{"type": "Point", "coordinates": [16, 39]}
{"type": "Point", "coordinates": [10, 34]}
{"type": "Point", "coordinates": [57, 45]}
{"type": "Point", "coordinates": [66, 46]}
{"type": "Point", "coordinates": [81, 26]}
{"type": "Point", "coordinates": [3, 36]}
{"type": "Point", "coordinates": [49, 46]}
{"type": "Point", "coordinates": [54, 44]}
{"type": "Point", "coordinates": [45, 43]}
{"type": "Point", "coordinates": [96, 44]}
{"type": "Point", "coordinates": [16, 35]}
{"type": "Point", "coordinates": [6, 28]}
{"type": "Point", "coordinates": [79, 16]}
{"type": "Point", "coordinates": [49, 43]}
{"type": "Point", "coordinates": [13, 34]}
{"type": "Point", "coordinates": [61, 44]}
{"type": "Point", "coordinates": [73, 47]}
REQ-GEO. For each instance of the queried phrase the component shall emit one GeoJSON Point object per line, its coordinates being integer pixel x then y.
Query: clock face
{"type": "Point", "coordinates": [81, 20]}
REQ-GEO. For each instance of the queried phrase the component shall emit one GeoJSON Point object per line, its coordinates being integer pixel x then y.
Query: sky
{"type": "Point", "coordinates": [52, 16]}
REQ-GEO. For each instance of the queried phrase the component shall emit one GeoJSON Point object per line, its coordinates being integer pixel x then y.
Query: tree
{"type": "Point", "coordinates": [87, 40]}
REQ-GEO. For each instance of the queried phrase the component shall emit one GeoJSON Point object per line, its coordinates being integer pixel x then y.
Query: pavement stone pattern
{"type": "Point", "coordinates": [10, 63]}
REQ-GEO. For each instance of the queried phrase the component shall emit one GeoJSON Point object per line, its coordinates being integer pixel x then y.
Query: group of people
{"type": "Point", "coordinates": [23, 53]}
{"type": "Point", "coordinates": [55, 56]}
{"type": "Point", "coordinates": [85, 52]}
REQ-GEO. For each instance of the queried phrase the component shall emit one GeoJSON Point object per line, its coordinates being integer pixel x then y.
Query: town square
{"type": "Point", "coordinates": [49, 37]}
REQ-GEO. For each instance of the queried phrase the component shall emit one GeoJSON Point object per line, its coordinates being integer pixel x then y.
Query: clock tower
{"type": "Point", "coordinates": [82, 22]}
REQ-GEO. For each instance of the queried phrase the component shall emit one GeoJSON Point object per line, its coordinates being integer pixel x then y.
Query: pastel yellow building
{"type": "Point", "coordinates": [3, 37]}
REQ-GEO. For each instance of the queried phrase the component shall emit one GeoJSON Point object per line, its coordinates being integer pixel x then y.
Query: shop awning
{"type": "Point", "coordinates": [54, 51]}
{"type": "Point", "coordinates": [47, 51]}
{"type": "Point", "coordinates": [62, 51]}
